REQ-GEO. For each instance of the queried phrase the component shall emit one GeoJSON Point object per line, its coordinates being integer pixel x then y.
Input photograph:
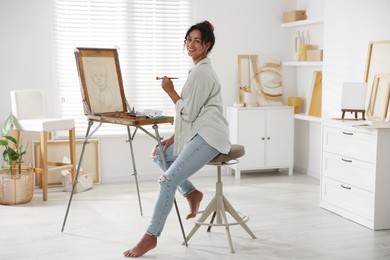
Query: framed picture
{"type": "Point", "coordinates": [378, 106]}
{"type": "Point", "coordinates": [101, 80]}
{"type": "Point", "coordinates": [378, 61]}
{"type": "Point", "coordinates": [260, 75]}
{"type": "Point", "coordinates": [90, 164]}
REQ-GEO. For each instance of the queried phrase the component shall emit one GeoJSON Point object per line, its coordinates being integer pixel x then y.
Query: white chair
{"type": "Point", "coordinates": [28, 106]}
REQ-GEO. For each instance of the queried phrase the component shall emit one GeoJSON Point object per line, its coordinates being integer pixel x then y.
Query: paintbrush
{"type": "Point", "coordinates": [158, 78]}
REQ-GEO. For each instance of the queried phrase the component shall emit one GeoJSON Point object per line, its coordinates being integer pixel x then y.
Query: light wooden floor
{"type": "Point", "coordinates": [105, 221]}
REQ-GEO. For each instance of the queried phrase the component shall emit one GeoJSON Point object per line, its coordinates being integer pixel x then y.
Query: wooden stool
{"type": "Point", "coordinates": [219, 205]}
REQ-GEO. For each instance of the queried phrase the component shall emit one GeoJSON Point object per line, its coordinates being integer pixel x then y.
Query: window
{"type": "Point", "coordinates": [149, 35]}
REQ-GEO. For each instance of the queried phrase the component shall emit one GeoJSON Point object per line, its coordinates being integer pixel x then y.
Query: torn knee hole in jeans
{"type": "Point", "coordinates": [163, 178]}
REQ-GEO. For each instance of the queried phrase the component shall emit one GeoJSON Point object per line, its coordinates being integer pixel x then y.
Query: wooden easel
{"type": "Point", "coordinates": [356, 111]}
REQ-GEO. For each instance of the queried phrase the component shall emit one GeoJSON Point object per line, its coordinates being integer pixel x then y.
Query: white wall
{"type": "Point", "coordinates": [242, 27]}
{"type": "Point", "coordinates": [248, 26]}
{"type": "Point", "coordinates": [349, 27]}
{"type": "Point", "coordinates": [245, 26]}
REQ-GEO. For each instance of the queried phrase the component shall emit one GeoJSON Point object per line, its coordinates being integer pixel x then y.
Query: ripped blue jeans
{"type": "Point", "coordinates": [196, 154]}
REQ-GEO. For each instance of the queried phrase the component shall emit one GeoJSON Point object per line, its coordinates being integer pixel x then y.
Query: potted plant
{"type": "Point", "coordinates": [16, 180]}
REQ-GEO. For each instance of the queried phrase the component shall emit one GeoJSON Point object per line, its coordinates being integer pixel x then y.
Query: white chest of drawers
{"type": "Point", "coordinates": [355, 174]}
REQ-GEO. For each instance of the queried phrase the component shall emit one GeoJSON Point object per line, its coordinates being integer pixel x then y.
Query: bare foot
{"type": "Point", "coordinates": [194, 199]}
{"type": "Point", "coordinates": [146, 243]}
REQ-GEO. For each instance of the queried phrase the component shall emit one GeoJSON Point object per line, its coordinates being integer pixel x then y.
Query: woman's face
{"type": "Point", "coordinates": [195, 48]}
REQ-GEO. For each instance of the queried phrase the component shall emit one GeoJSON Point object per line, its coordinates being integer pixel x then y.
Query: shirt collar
{"type": "Point", "coordinates": [204, 61]}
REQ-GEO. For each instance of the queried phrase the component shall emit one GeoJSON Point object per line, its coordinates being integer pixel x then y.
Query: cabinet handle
{"type": "Point", "coordinates": [269, 138]}
{"type": "Point", "coordinates": [262, 138]}
{"type": "Point", "coordinates": [347, 133]}
{"type": "Point", "coordinates": [345, 160]}
{"type": "Point", "coordinates": [345, 187]}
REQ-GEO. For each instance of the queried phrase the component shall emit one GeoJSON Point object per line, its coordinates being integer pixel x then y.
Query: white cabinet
{"type": "Point", "coordinates": [267, 134]}
{"type": "Point", "coordinates": [355, 176]}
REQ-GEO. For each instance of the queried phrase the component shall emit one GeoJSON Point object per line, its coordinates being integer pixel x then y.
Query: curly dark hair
{"type": "Point", "coordinates": [207, 32]}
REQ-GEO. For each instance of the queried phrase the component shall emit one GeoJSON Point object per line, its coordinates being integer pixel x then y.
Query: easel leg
{"type": "Point", "coordinates": [134, 167]}
{"type": "Point", "coordinates": [87, 136]}
{"type": "Point", "coordinates": [155, 127]}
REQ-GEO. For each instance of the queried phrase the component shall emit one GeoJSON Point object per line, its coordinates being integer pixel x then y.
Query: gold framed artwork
{"type": "Point", "coordinates": [58, 148]}
{"type": "Point", "coordinates": [378, 61]}
{"type": "Point", "coordinates": [378, 107]}
{"type": "Point", "coordinates": [260, 75]}
{"type": "Point", "coordinates": [101, 80]}
{"type": "Point", "coordinates": [315, 98]}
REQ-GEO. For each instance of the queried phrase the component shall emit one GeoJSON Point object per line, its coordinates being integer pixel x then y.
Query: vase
{"type": "Point", "coordinates": [16, 188]}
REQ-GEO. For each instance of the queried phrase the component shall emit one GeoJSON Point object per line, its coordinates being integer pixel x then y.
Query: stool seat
{"type": "Point", "coordinates": [219, 205]}
{"type": "Point", "coordinates": [236, 151]}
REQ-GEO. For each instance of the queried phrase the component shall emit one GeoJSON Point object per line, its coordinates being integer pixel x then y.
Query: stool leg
{"type": "Point", "coordinates": [209, 209]}
{"type": "Point", "coordinates": [237, 217]}
{"type": "Point", "coordinates": [222, 213]}
{"type": "Point", "coordinates": [43, 166]}
{"type": "Point", "coordinates": [211, 221]}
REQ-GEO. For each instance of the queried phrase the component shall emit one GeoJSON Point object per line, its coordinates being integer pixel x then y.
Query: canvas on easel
{"type": "Point", "coordinates": [101, 81]}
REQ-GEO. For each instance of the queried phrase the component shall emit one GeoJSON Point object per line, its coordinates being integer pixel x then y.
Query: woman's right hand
{"type": "Point", "coordinates": [165, 144]}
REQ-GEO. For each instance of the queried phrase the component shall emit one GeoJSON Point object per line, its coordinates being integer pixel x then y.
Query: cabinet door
{"type": "Point", "coordinates": [279, 135]}
{"type": "Point", "coordinates": [251, 134]}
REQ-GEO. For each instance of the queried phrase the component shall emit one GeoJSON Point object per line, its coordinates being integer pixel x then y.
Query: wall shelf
{"type": "Point", "coordinates": [308, 118]}
{"type": "Point", "coordinates": [302, 23]}
{"type": "Point", "coordinates": [302, 63]}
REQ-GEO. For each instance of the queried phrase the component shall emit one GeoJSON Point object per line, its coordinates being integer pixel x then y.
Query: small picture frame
{"type": "Point", "coordinates": [378, 61]}
{"type": "Point", "coordinates": [101, 81]}
{"type": "Point", "coordinates": [378, 107]}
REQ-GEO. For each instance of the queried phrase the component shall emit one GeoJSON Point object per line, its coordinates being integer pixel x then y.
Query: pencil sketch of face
{"type": "Point", "coordinates": [102, 85]}
{"type": "Point", "coordinates": [99, 75]}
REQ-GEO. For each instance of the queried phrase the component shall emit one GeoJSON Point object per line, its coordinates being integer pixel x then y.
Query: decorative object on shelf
{"type": "Point", "coordinates": [315, 102]}
{"type": "Point", "coordinates": [314, 55]}
{"type": "Point", "coordinates": [295, 15]}
{"type": "Point", "coordinates": [261, 75]}
{"type": "Point", "coordinates": [299, 40]}
{"type": "Point", "coordinates": [16, 181]}
{"type": "Point", "coordinates": [303, 49]}
{"type": "Point", "coordinates": [378, 61]}
{"type": "Point", "coordinates": [378, 107]}
{"type": "Point", "coordinates": [295, 102]}
{"type": "Point", "coordinates": [353, 99]}
{"type": "Point", "coordinates": [250, 99]}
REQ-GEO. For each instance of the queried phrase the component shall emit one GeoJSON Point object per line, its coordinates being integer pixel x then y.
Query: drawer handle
{"type": "Point", "coordinates": [345, 187]}
{"type": "Point", "coordinates": [347, 133]}
{"type": "Point", "coordinates": [345, 160]}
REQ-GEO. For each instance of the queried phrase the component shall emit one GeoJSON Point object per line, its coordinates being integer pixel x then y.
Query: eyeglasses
{"type": "Point", "coordinates": [195, 41]}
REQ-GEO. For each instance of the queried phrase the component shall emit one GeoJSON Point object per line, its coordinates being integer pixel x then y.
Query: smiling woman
{"type": "Point", "coordinates": [106, 24]}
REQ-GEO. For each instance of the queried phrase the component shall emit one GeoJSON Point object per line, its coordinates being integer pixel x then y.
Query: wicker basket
{"type": "Point", "coordinates": [16, 188]}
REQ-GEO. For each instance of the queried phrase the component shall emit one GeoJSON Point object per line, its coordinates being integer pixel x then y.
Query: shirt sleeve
{"type": "Point", "coordinates": [195, 96]}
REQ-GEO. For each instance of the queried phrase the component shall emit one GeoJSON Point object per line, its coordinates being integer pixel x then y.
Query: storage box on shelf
{"type": "Point", "coordinates": [355, 179]}
{"type": "Point", "coordinates": [294, 15]}
{"type": "Point", "coordinates": [267, 134]}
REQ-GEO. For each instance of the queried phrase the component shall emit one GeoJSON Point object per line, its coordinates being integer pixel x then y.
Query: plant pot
{"type": "Point", "coordinates": [16, 188]}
